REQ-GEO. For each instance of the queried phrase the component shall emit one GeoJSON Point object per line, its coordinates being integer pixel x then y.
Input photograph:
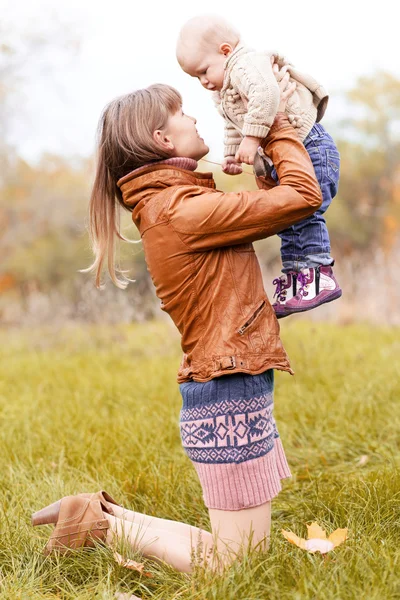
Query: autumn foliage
{"type": "Point", "coordinates": [43, 206]}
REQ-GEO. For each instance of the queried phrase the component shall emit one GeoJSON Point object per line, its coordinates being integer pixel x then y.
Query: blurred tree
{"type": "Point", "coordinates": [368, 208]}
{"type": "Point", "coordinates": [25, 52]}
{"type": "Point", "coordinates": [43, 242]}
{"type": "Point", "coordinates": [43, 237]}
{"type": "Point", "coordinates": [34, 200]}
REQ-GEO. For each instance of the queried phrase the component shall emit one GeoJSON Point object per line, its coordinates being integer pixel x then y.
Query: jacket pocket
{"type": "Point", "coordinates": [252, 318]}
{"type": "Point", "coordinates": [243, 248]}
{"type": "Point", "coordinates": [333, 165]}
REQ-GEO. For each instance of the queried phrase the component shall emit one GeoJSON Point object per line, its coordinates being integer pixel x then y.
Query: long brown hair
{"type": "Point", "coordinates": [125, 142]}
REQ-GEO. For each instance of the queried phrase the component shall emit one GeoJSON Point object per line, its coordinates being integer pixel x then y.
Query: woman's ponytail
{"type": "Point", "coordinates": [125, 143]}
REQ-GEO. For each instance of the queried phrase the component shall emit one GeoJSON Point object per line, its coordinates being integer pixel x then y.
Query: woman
{"type": "Point", "coordinates": [198, 248]}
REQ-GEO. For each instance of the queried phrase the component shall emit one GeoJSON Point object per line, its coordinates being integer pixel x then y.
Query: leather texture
{"type": "Point", "coordinates": [81, 523]}
{"type": "Point", "coordinates": [106, 501]}
{"type": "Point", "coordinates": [198, 247]}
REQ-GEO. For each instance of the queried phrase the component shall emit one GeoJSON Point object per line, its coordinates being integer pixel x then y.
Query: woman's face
{"type": "Point", "coordinates": [183, 136]}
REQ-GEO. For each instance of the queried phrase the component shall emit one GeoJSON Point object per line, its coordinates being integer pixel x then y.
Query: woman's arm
{"type": "Point", "coordinates": [209, 219]}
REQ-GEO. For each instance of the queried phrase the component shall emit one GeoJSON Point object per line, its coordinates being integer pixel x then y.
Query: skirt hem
{"type": "Point", "coordinates": [238, 486]}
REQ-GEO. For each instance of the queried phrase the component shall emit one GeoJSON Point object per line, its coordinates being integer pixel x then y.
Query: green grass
{"type": "Point", "coordinates": [88, 408]}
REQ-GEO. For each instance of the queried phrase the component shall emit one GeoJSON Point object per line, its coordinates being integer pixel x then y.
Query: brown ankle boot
{"type": "Point", "coordinates": [49, 515]}
{"type": "Point", "coordinates": [105, 500]}
{"type": "Point", "coordinates": [80, 522]}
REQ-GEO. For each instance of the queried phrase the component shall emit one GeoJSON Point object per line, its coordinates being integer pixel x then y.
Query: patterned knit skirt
{"type": "Point", "coordinates": [229, 433]}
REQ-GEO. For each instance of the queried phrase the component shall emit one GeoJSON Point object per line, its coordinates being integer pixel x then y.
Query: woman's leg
{"type": "Point", "coordinates": [175, 527]}
{"type": "Point", "coordinates": [240, 530]}
{"type": "Point", "coordinates": [181, 545]}
{"type": "Point", "coordinates": [181, 551]}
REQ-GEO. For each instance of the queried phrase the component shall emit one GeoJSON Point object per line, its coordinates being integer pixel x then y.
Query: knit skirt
{"type": "Point", "coordinates": [229, 433]}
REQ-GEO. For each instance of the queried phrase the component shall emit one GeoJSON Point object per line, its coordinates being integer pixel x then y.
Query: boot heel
{"type": "Point", "coordinates": [47, 515]}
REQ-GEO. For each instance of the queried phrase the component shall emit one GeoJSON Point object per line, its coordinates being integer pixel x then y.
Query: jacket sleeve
{"type": "Point", "coordinates": [253, 77]}
{"type": "Point", "coordinates": [209, 219]}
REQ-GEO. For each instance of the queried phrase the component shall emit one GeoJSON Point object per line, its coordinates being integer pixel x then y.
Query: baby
{"type": "Point", "coordinates": [246, 92]}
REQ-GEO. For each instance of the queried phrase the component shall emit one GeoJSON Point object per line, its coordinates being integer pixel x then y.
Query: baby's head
{"type": "Point", "coordinates": [204, 44]}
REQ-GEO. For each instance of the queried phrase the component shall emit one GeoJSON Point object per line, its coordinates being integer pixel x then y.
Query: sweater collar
{"type": "Point", "coordinates": [189, 164]}
{"type": "Point", "coordinates": [230, 61]}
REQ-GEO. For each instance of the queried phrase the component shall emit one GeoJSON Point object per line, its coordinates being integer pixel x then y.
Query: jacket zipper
{"type": "Point", "coordinates": [243, 328]}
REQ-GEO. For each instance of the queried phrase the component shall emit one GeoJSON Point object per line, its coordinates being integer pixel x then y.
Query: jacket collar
{"type": "Point", "coordinates": [141, 184]}
{"type": "Point", "coordinates": [190, 164]}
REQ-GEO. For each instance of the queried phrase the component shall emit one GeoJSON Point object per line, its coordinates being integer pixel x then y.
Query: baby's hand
{"type": "Point", "coordinates": [230, 166]}
{"type": "Point", "coordinates": [247, 149]}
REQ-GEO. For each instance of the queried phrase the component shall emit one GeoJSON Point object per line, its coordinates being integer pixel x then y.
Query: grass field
{"type": "Point", "coordinates": [84, 409]}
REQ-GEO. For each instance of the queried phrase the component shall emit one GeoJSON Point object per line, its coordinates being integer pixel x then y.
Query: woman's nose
{"type": "Point", "coordinates": [193, 119]}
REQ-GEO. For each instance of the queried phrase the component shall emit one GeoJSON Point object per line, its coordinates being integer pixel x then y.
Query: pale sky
{"type": "Point", "coordinates": [126, 44]}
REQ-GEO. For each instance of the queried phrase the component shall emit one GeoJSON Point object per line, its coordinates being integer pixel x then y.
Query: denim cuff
{"type": "Point", "coordinates": [309, 261]}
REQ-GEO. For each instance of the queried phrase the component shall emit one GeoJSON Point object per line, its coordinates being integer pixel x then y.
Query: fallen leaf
{"type": "Point", "coordinates": [338, 536]}
{"type": "Point", "coordinates": [363, 460]}
{"type": "Point", "coordinates": [131, 564]}
{"type": "Point", "coordinates": [317, 540]}
{"type": "Point", "coordinates": [319, 545]}
{"type": "Point", "coordinates": [127, 597]}
{"type": "Point", "coordinates": [315, 531]}
{"type": "Point", "coordinates": [294, 539]}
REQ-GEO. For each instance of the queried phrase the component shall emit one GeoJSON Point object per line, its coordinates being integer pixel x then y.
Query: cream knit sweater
{"type": "Point", "coordinates": [249, 98]}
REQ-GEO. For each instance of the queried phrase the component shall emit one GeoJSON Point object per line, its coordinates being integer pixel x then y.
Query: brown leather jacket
{"type": "Point", "coordinates": [198, 248]}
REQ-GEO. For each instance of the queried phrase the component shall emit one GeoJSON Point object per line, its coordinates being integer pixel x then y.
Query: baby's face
{"type": "Point", "coordinates": [208, 67]}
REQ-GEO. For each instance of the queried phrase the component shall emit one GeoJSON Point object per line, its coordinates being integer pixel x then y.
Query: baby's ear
{"type": "Point", "coordinates": [226, 49]}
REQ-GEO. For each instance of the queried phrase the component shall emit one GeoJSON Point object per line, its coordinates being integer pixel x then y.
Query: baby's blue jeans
{"type": "Point", "coordinates": [307, 243]}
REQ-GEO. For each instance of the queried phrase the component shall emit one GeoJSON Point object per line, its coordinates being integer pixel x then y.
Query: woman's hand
{"type": "Point", "coordinates": [230, 166]}
{"type": "Point", "coordinates": [286, 88]}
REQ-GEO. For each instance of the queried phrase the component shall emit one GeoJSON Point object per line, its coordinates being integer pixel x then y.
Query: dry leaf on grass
{"type": "Point", "coordinates": [294, 539]}
{"type": "Point", "coordinates": [315, 531]}
{"type": "Point", "coordinates": [131, 564]}
{"type": "Point", "coordinates": [126, 597]}
{"type": "Point", "coordinates": [364, 458]}
{"type": "Point", "coordinates": [317, 540]}
{"type": "Point", "coordinates": [338, 536]}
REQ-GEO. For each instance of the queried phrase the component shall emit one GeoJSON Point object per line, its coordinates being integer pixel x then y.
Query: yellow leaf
{"type": "Point", "coordinates": [131, 564]}
{"type": "Point", "coordinates": [294, 539]}
{"type": "Point", "coordinates": [315, 532]}
{"type": "Point", "coordinates": [318, 545]}
{"type": "Point", "coordinates": [338, 536]}
{"type": "Point", "coordinates": [363, 460]}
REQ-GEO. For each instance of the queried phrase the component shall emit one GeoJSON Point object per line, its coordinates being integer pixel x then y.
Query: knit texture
{"type": "Point", "coordinates": [176, 161]}
{"type": "Point", "coordinates": [229, 432]}
{"type": "Point", "coordinates": [238, 486]}
{"type": "Point", "coordinates": [249, 98]}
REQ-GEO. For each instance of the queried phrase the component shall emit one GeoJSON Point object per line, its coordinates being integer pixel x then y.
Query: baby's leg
{"type": "Point", "coordinates": [306, 258]}
{"type": "Point", "coordinates": [286, 284]}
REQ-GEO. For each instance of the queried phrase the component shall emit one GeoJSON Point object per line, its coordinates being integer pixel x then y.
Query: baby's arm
{"type": "Point", "coordinates": [232, 140]}
{"type": "Point", "coordinates": [254, 78]}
